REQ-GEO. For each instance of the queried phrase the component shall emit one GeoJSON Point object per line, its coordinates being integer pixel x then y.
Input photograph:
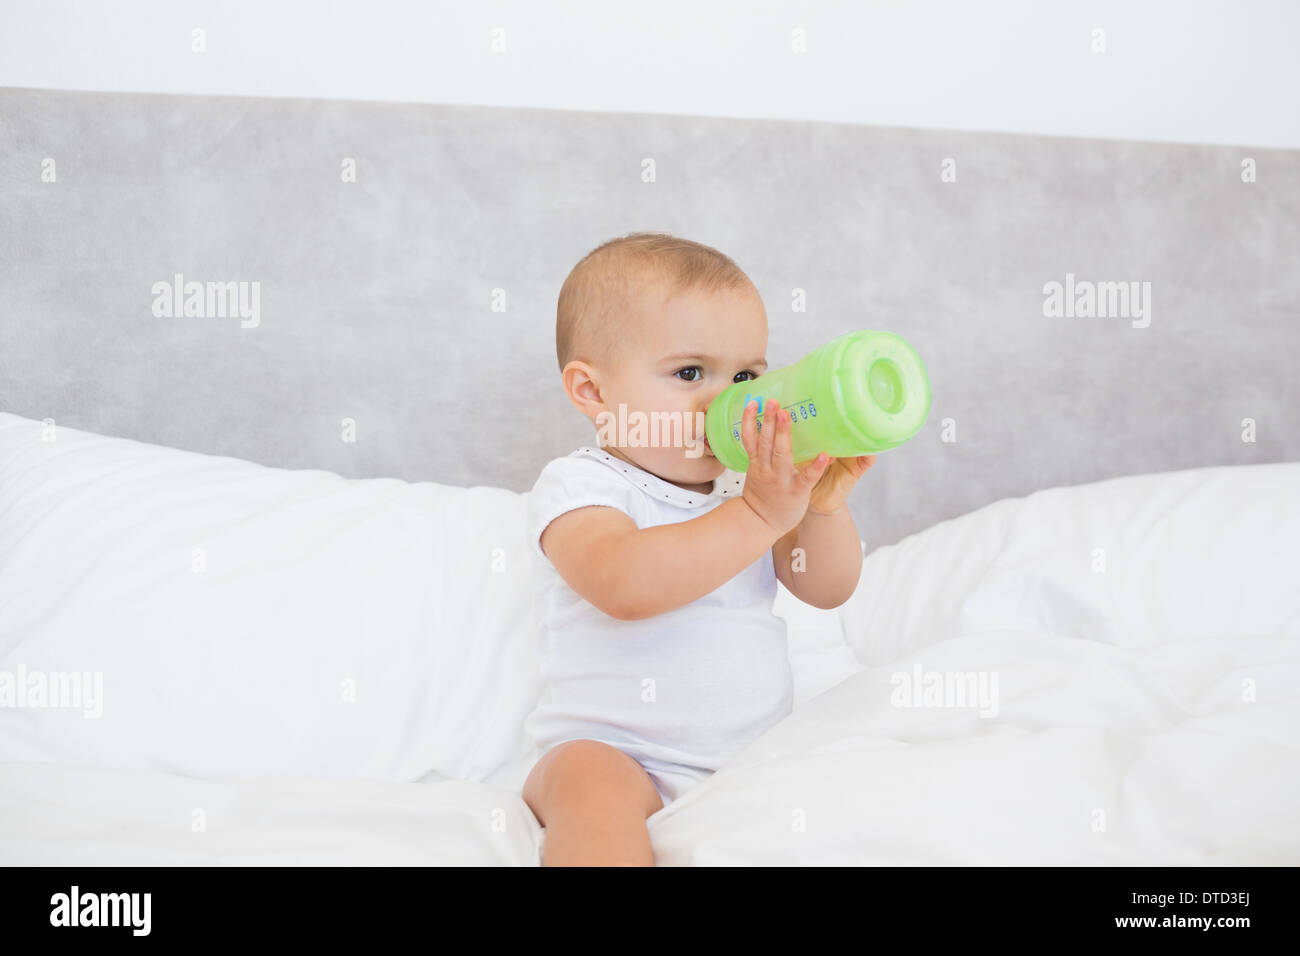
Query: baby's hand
{"type": "Point", "coordinates": [833, 489]}
{"type": "Point", "coordinates": [774, 488]}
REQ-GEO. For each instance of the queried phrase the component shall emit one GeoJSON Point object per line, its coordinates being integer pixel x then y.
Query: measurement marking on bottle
{"type": "Point", "coordinates": [801, 410]}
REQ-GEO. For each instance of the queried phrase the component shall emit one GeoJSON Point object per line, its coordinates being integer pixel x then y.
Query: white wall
{"type": "Point", "coordinates": [1222, 72]}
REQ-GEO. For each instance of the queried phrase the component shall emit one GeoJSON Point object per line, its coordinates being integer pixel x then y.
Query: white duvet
{"type": "Point", "coordinates": [1101, 674]}
{"type": "Point", "coordinates": [1144, 634]}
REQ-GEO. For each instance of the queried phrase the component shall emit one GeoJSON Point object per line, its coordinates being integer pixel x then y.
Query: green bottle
{"type": "Point", "coordinates": [858, 394]}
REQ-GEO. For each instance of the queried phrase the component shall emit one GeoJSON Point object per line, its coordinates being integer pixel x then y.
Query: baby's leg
{"type": "Point", "coordinates": [593, 800]}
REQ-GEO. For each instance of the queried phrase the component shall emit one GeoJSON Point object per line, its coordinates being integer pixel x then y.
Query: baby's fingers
{"type": "Point", "coordinates": [812, 472]}
{"type": "Point", "coordinates": [766, 434]}
{"type": "Point", "coordinates": [747, 429]}
{"type": "Point", "coordinates": [781, 439]}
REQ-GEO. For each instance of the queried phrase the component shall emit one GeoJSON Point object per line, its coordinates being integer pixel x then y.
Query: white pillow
{"type": "Point", "coordinates": [247, 620]}
{"type": "Point", "coordinates": [1199, 553]}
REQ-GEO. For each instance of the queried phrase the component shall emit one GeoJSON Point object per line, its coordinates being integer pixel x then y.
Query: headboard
{"type": "Point", "coordinates": [407, 260]}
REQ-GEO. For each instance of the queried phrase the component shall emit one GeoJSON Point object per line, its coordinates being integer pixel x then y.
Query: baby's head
{"type": "Point", "coordinates": [652, 323]}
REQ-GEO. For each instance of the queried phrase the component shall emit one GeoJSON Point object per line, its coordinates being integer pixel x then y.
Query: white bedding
{"type": "Point", "coordinates": [53, 815]}
{"type": "Point", "coordinates": [1096, 757]}
{"type": "Point", "coordinates": [253, 621]}
{"type": "Point", "coordinates": [1143, 633]}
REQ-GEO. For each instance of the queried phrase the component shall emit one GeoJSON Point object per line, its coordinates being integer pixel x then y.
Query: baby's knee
{"type": "Point", "coordinates": [592, 775]}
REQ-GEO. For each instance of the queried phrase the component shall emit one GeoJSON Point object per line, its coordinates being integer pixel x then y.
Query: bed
{"type": "Point", "coordinates": [300, 668]}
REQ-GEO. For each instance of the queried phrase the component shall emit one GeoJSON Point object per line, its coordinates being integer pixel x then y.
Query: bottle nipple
{"type": "Point", "coordinates": [885, 383]}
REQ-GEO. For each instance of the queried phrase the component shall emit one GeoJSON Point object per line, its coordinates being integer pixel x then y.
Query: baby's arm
{"type": "Point", "coordinates": [632, 573]}
{"type": "Point", "coordinates": [827, 572]}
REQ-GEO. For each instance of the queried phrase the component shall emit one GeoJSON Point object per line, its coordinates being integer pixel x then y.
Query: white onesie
{"type": "Point", "coordinates": [679, 692]}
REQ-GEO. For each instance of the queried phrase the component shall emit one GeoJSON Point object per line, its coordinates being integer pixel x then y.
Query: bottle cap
{"type": "Point", "coordinates": [883, 388]}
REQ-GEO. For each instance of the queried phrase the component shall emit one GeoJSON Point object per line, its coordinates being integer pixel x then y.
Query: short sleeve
{"type": "Point", "coordinates": [569, 483]}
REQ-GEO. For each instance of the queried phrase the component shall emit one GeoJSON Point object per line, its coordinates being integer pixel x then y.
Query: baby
{"type": "Point", "coordinates": [660, 653]}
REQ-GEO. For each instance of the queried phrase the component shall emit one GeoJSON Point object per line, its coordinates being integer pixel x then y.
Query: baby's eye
{"type": "Point", "coordinates": [751, 375]}
{"type": "Point", "coordinates": [692, 368]}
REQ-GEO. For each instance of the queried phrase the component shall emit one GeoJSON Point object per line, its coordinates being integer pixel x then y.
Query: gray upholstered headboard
{"type": "Point", "coordinates": [419, 300]}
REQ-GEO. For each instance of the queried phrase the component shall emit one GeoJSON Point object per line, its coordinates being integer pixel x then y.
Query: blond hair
{"type": "Point", "coordinates": [603, 290]}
